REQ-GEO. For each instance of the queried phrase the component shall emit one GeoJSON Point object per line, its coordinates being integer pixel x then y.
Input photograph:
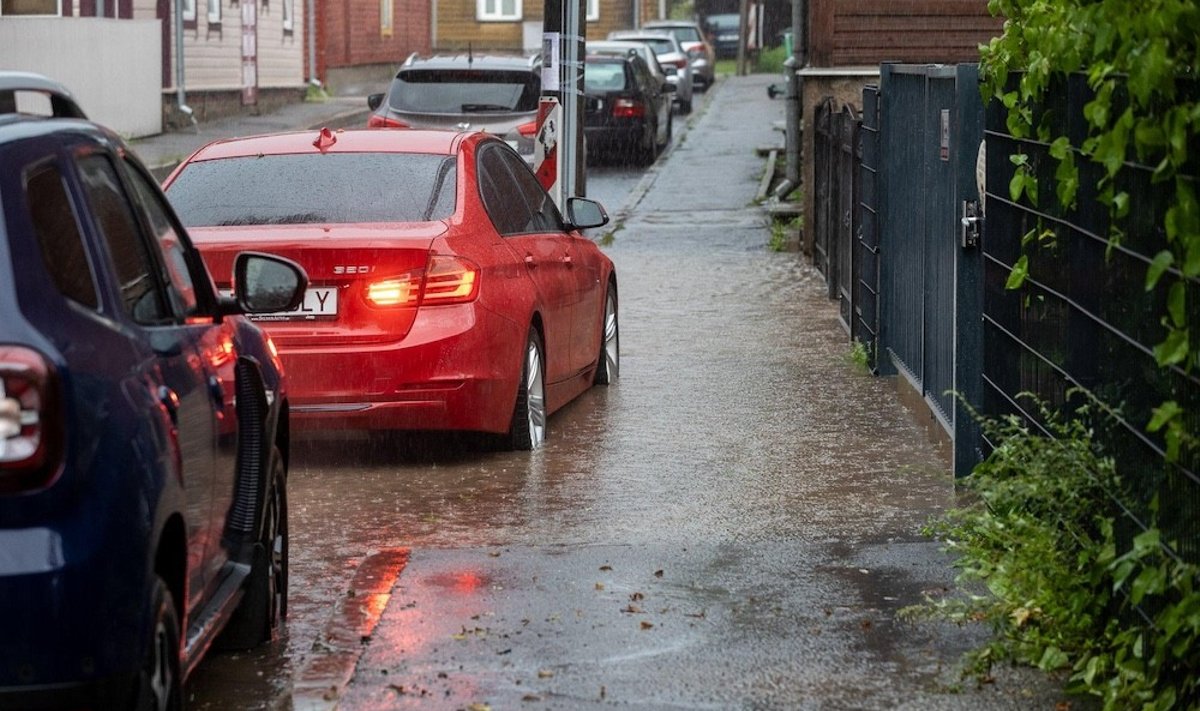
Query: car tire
{"type": "Point", "coordinates": [649, 149]}
{"type": "Point", "coordinates": [670, 127]}
{"type": "Point", "coordinates": [528, 428]}
{"type": "Point", "coordinates": [608, 364]}
{"type": "Point", "coordinates": [264, 605]}
{"type": "Point", "coordinates": [160, 682]}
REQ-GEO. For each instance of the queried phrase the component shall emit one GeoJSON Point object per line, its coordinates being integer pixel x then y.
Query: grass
{"type": "Point", "coordinates": [781, 233]}
{"type": "Point", "coordinates": [768, 61]}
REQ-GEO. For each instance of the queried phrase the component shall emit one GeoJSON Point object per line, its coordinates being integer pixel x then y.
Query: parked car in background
{"type": "Point", "coordinates": [619, 48]}
{"type": "Point", "coordinates": [496, 94]}
{"type": "Point", "coordinates": [143, 425]}
{"type": "Point", "coordinates": [691, 38]}
{"type": "Point", "coordinates": [723, 33]}
{"type": "Point", "coordinates": [447, 292]}
{"type": "Point", "coordinates": [626, 108]}
{"type": "Point", "coordinates": [669, 53]}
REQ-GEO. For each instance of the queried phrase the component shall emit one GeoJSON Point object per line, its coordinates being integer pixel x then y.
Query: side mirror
{"type": "Point", "coordinates": [374, 101]}
{"type": "Point", "coordinates": [583, 213]}
{"type": "Point", "coordinates": [264, 283]}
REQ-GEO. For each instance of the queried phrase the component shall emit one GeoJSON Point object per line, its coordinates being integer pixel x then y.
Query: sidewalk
{"type": "Point", "coordinates": [163, 152]}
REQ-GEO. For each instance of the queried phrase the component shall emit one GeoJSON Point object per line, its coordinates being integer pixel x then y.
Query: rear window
{"type": "Point", "coordinates": [724, 22]}
{"type": "Point", "coordinates": [686, 34]}
{"type": "Point", "coordinates": [315, 188]}
{"type": "Point", "coordinates": [599, 77]}
{"type": "Point", "coordinates": [457, 91]}
{"type": "Point", "coordinates": [660, 46]}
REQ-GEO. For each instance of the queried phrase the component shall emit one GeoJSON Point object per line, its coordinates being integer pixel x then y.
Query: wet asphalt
{"type": "Point", "coordinates": [732, 525]}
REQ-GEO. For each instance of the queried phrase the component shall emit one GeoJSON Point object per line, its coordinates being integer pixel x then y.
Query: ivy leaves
{"type": "Point", "coordinates": [1136, 54]}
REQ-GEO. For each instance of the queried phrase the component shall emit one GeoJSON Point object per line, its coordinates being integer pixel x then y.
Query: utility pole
{"type": "Point", "coordinates": [743, 36]}
{"type": "Point", "coordinates": [558, 144]}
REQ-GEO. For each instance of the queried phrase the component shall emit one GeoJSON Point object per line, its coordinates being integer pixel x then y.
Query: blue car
{"type": "Point", "coordinates": [143, 425]}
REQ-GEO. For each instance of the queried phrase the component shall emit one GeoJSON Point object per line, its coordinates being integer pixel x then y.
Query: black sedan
{"type": "Point", "coordinates": [626, 108]}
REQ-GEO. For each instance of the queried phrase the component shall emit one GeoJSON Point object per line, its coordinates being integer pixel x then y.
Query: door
{"type": "Point", "coordinates": [531, 226]}
{"type": "Point", "coordinates": [170, 364]}
{"type": "Point", "coordinates": [214, 344]}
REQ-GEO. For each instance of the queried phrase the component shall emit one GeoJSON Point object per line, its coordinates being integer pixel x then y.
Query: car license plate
{"type": "Point", "coordinates": [320, 302]}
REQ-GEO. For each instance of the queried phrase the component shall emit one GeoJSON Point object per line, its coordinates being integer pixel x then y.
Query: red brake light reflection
{"type": "Point", "coordinates": [528, 130]}
{"type": "Point", "coordinates": [29, 428]}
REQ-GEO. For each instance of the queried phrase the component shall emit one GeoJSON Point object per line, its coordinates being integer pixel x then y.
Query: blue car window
{"type": "Point", "coordinates": [57, 229]}
{"type": "Point", "coordinates": [132, 262]}
{"type": "Point", "coordinates": [181, 288]}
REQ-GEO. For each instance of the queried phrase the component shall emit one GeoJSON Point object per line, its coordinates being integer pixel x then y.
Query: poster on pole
{"type": "Point", "coordinates": [550, 45]}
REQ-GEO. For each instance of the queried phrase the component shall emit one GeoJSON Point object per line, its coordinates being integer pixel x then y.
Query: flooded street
{"type": "Point", "coordinates": [733, 524]}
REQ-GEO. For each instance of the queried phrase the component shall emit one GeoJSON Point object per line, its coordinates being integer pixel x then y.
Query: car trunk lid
{"type": "Point", "coordinates": [349, 267]}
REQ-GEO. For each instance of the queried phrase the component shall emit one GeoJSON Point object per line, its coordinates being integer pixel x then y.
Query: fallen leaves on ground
{"type": "Point", "coordinates": [647, 625]}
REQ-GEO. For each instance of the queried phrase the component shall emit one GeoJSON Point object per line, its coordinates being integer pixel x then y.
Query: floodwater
{"type": "Point", "coordinates": [733, 524]}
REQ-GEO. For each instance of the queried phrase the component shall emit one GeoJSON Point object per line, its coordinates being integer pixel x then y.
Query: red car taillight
{"type": "Point", "coordinates": [628, 108]}
{"type": "Point", "coordinates": [377, 121]}
{"type": "Point", "coordinates": [450, 280]}
{"type": "Point", "coordinates": [528, 130]}
{"type": "Point", "coordinates": [404, 290]}
{"type": "Point", "coordinates": [446, 280]}
{"type": "Point", "coordinates": [30, 429]}
{"type": "Point", "coordinates": [680, 63]}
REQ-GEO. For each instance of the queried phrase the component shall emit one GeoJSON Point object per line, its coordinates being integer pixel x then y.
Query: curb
{"type": "Point", "coordinates": [347, 632]}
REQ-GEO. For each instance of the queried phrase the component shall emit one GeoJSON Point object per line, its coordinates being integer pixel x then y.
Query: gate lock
{"type": "Point", "coordinates": [971, 224]}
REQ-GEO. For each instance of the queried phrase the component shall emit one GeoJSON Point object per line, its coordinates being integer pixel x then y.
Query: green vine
{"type": "Point", "coordinates": [1142, 61]}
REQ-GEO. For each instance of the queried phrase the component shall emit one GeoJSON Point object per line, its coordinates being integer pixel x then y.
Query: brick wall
{"type": "Point", "coordinates": [351, 34]}
{"type": "Point", "coordinates": [868, 32]}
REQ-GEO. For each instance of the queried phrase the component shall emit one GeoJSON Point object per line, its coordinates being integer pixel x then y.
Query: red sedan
{"type": "Point", "coordinates": [446, 291]}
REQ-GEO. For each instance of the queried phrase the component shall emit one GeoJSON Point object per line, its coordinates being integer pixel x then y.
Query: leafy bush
{"type": "Point", "coordinates": [1039, 536]}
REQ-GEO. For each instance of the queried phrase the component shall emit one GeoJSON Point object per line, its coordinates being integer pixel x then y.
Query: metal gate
{"type": "Point", "coordinates": [845, 127]}
{"type": "Point", "coordinates": [822, 186]}
{"type": "Point", "coordinates": [835, 169]}
{"type": "Point", "coordinates": [866, 250]}
{"type": "Point", "coordinates": [930, 123]}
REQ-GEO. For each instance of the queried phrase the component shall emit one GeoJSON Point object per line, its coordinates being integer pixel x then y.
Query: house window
{"type": "Point", "coordinates": [498, 10]}
{"type": "Point", "coordinates": [386, 11]}
{"type": "Point", "coordinates": [189, 10]}
{"type": "Point", "coordinates": [289, 16]}
{"type": "Point", "coordinates": [30, 7]}
{"type": "Point", "coordinates": [214, 12]}
{"type": "Point", "coordinates": [593, 10]}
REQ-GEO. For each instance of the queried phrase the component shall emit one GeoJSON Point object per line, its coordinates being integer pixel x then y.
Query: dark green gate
{"type": "Point", "coordinates": [930, 125]}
